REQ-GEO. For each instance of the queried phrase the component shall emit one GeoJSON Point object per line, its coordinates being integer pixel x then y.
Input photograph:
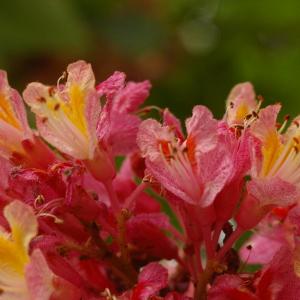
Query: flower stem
{"type": "Point", "coordinates": [112, 195]}
{"type": "Point", "coordinates": [203, 280]}
{"type": "Point", "coordinates": [122, 217]}
{"type": "Point", "coordinates": [210, 251]}
{"type": "Point", "coordinates": [131, 199]}
{"type": "Point", "coordinates": [228, 244]}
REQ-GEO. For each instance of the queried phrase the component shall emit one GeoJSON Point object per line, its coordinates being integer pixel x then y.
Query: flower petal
{"type": "Point", "coordinates": [111, 85]}
{"type": "Point", "coordinates": [273, 191]}
{"type": "Point", "coordinates": [202, 129]}
{"type": "Point", "coordinates": [67, 115]}
{"type": "Point", "coordinates": [240, 102]}
{"type": "Point", "coordinates": [23, 223]}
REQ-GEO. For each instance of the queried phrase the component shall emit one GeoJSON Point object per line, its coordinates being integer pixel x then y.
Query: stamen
{"type": "Point", "coordinates": [42, 99]}
{"type": "Point", "coordinates": [39, 200]}
{"type": "Point", "coordinates": [286, 118]}
{"type": "Point", "coordinates": [56, 219]}
{"type": "Point", "coordinates": [61, 78]}
{"type": "Point", "coordinates": [56, 106]}
{"type": "Point", "coordinates": [147, 109]}
{"type": "Point", "coordinates": [51, 91]}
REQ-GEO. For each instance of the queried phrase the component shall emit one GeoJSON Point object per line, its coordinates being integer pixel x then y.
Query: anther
{"type": "Point", "coordinates": [56, 106]}
{"type": "Point", "coordinates": [41, 99]}
{"type": "Point", "coordinates": [39, 200]}
{"type": "Point", "coordinates": [296, 123]}
{"type": "Point", "coordinates": [248, 117]}
{"type": "Point", "coordinates": [44, 120]}
{"type": "Point", "coordinates": [51, 91]}
{"type": "Point", "coordinates": [260, 98]}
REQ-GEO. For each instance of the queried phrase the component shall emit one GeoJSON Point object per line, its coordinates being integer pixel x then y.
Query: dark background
{"type": "Point", "coordinates": [193, 51]}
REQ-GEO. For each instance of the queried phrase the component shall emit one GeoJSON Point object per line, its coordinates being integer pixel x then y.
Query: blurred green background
{"type": "Point", "coordinates": [193, 51]}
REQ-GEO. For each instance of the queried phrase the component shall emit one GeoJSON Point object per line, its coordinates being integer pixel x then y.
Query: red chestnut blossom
{"type": "Point", "coordinates": [184, 167]}
{"type": "Point", "coordinates": [163, 222]}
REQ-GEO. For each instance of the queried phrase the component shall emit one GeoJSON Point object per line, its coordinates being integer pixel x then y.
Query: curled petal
{"type": "Point", "coordinates": [202, 129]}
{"type": "Point", "coordinates": [131, 97]}
{"type": "Point", "coordinates": [171, 121]}
{"type": "Point", "coordinates": [111, 85]}
{"type": "Point", "coordinates": [273, 191]}
{"type": "Point", "coordinates": [240, 102]}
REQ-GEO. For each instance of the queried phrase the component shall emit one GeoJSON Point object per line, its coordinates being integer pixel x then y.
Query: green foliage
{"type": "Point", "coordinates": [194, 51]}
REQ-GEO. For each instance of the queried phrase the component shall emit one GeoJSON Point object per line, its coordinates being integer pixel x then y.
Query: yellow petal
{"type": "Point", "coordinates": [7, 113]}
{"type": "Point", "coordinates": [23, 224]}
{"type": "Point", "coordinates": [75, 108]}
{"type": "Point", "coordinates": [271, 150]}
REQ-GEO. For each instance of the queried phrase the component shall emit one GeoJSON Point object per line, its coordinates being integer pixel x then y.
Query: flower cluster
{"type": "Point", "coordinates": [99, 201]}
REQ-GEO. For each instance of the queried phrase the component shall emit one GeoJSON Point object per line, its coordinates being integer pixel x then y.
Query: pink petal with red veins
{"type": "Point", "coordinates": [273, 191]}
{"type": "Point", "coordinates": [111, 85]}
{"type": "Point", "coordinates": [154, 274]}
{"type": "Point", "coordinates": [131, 97]}
{"type": "Point", "coordinates": [174, 184]}
{"type": "Point", "coordinates": [118, 126]}
{"type": "Point", "coordinates": [202, 129]}
{"type": "Point", "coordinates": [149, 135]}
{"type": "Point", "coordinates": [170, 120]}
{"type": "Point", "coordinates": [151, 280]}
{"type": "Point", "coordinates": [266, 123]}
{"type": "Point", "coordinates": [175, 175]}
{"type": "Point", "coordinates": [121, 133]}
{"type": "Point", "coordinates": [215, 169]}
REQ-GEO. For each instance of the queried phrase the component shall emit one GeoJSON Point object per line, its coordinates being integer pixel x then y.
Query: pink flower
{"type": "Point", "coordinates": [275, 168]}
{"type": "Point", "coordinates": [18, 143]}
{"type": "Point", "coordinates": [118, 124]}
{"type": "Point", "coordinates": [25, 276]}
{"type": "Point", "coordinates": [67, 114]}
{"type": "Point", "coordinates": [240, 104]}
{"type": "Point", "coordinates": [191, 169]}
